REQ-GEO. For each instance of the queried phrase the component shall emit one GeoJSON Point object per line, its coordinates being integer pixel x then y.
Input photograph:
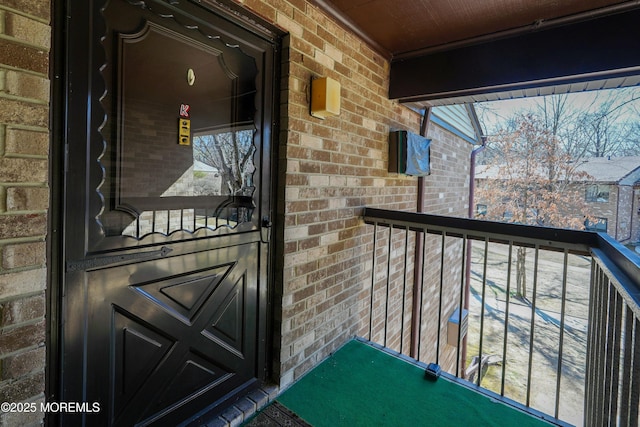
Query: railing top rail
{"type": "Point", "coordinates": [616, 258]}
{"type": "Point", "coordinates": [520, 234]}
{"type": "Point", "coordinates": [622, 267]}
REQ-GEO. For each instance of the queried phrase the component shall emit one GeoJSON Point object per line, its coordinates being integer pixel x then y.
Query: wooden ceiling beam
{"type": "Point", "coordinates": [597, 48]}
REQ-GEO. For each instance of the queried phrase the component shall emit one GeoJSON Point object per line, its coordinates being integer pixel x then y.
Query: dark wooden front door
{"type": "Point", "coordinates": [167, 198]}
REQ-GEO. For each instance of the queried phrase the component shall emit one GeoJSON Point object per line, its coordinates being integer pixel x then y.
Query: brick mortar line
{"type": "Point", "coordinates": [24, 296]}
{"type": "Point", "coordinates": [25, 43]}
{"type": "Point", "coordinates": [18, 352]}
{"type": "Point", "coordinates": [8, 329]}
{"type": "Point", "coordinates": [20, 270]}
{"type": "Point", "coordinates": [23, 71]}
{"type": "Point", "coordinates": [18, 213]}
{"type": "Point", "coordinates": [31, 184]}
{"type": "Point", "coordinates": [24, 157]}
{"type": "Point", "coordinates": [23, 99]}
{"type": "Point", "coordinates": [19, 240]}
{"type": "Point", "coordinates": [26, 15]}
{"type": "Point", "coordinates": [25, 127]}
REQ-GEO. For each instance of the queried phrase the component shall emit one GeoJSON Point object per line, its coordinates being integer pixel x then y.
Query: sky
{"type": "Point", "coordinates": [501, 110]}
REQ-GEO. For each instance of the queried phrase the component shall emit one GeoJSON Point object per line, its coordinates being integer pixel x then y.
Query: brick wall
{"type": "Point", "coordinates": [330, 170]}
{"type": "Point", "coordinates": [618, 210]}
{"type": "Point", "coordinates": [24, 147]}
{"type": "Point", "coordinates": [624, 213]}
{"type": "Point", "coordinates": [635, 217]}
{"type": "Point", "coordinates": [446, 193]}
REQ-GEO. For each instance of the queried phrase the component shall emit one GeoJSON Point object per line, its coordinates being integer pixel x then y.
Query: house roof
{"type": "Point", "coordinates": [464, 51]}
{"type": "Point", "coordinates": [605, 170]}
{"type": "Point", "coordinates": [623, 170]}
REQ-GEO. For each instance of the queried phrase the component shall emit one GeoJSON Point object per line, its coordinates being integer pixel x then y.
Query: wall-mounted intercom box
{"type": "Point", "coordinates": [409, 153]}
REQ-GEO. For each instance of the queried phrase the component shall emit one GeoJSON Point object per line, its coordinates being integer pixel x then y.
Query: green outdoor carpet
{"type": "Point", "coordinates": [362, 386]}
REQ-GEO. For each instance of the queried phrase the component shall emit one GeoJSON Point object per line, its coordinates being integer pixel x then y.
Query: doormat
{"type": "Point", "coordinates": [277, 415]}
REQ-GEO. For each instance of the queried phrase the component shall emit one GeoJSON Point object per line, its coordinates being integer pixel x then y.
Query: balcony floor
{"type": "Point", "coordinates": [362, 385]}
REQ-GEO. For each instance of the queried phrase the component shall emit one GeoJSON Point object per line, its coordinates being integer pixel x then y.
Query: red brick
{"type": "Point", "coordinates": [23, 388]}
{"type": "Point", "coordinates": [22, 363]}
{"type": "Point", "coordinates": [18, 338]}
{"type": "Point", "coordinates": [317, 229]}
{"type": "Point", "coordinates": [27, 198]}
{"type": "Point", "coordinates": [23, 255]}
{"type": "Point", "coordinates": [17, 226]}
{"type": "Point", "coordinates": [37, 8]}
{"type": "Point", "coordinates": [262, 8]}
{"type": "Point", "coordinates": [20, 141]}
{"type": "Point", "coordinates": [309, 243]}
{"type": "Point", "coordinates": [22, 310]}
{"type": "Point", "coordinates": [24, 57]}
{"type": "Point", "coordinates": [27, 30]}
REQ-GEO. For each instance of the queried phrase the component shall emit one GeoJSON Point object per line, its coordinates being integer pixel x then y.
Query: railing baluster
{"type": "Point", "coordinates": [596, 325]}
{"type": "Point", "coordinates": [373, 279]}
{"type": "Point", "coordinates": [627, 368]}
{"type": "Point", "coordinates": [606, 395]}
{"type": "Point", "coordinates": [422, 264]}
{"type": "Point", "coordinates": [615, 360]}
{"type": "Point", "coordinates": [442, 248]}
{"type": "Point", "coordinates": [562, 322]}
{"type": "Point", "coordinates": [590, 367]}
{"type": "Point", "coordinates": [404, 287]}
{"type": "Point", "coordinates": [533, 323]}
{"type": "Point", "coordinates": [461, 303]}
{"type": "Point", "coordinates": [608, 361]}
{"type": "Point", "coordinates": [484, 289]}
{"type": "Point", "coordinates": [506, 320]}
{"type": "Point", "coordinates": [601, 352]}
{"type": "Point", "coordinates": [386, 301]}
{"type": "Point", "coordinates": [634, 398]}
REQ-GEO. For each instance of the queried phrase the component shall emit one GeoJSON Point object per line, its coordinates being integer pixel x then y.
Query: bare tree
{"type": "Point", "coordinates": [531, 180]}
{"type": "Point", "coordinates": [534, 154]}
{"type": "Point", "coordinates": [607, 127]}
{"type": "Point", "coordinates": [231, 153]}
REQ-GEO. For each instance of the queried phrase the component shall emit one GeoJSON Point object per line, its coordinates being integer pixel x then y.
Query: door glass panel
{"type": "Point", "coordinates": [184, 149]}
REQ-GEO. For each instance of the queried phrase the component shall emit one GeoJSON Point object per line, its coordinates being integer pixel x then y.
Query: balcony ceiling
{"type": "Point", "coordinates": [425, 37]}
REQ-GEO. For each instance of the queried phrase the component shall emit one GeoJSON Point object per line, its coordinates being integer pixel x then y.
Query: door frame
{"type": "Point", "coordinates": [60, 129]}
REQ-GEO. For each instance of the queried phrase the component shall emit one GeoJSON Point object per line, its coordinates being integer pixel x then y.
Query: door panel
{"type": "Point", "coordinates": [163, 310]}
{"type": "Point", "coordinates": [174, 334]}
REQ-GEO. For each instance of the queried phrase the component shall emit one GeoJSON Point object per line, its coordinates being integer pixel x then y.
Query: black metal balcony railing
{"type": "Point", "coordinates": [450, 291]}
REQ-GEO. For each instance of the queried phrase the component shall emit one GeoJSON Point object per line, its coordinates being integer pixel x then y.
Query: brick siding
{"type": "Point", "coordinates": [24, 200]}
{"type": "Point", "coordinates": [635, 217]}
{"type": "Point", "coordinates": [330, 170]}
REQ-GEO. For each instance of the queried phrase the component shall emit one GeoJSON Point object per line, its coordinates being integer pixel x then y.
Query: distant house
{"type": "Point", "coordinates": [611, 195]}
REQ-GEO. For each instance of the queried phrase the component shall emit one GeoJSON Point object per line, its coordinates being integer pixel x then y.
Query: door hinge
{"type": "Point", "coordinates": [90, 263]}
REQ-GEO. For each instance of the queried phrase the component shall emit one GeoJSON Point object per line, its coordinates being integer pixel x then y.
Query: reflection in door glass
{"type": "Point", "coordinates": [183, 155]}
{"type": "Point", "coordinates": [223, 163]}
{"type": "Point", "coordinates": [222, 167]}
